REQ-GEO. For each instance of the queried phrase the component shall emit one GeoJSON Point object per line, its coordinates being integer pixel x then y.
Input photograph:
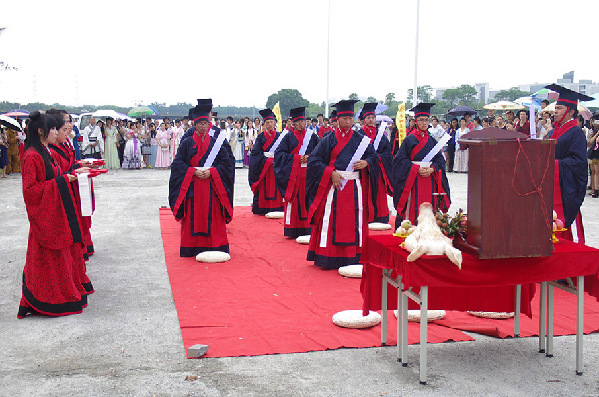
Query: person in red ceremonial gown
{"type": "Point", "coordinates": [290, 163]}
{"type": "Point", "coordinates": [261, 176]}
{"type": "Point", "coordinates": [51, 282]}
{"type": "Point", "coordinates": [201, 194]}
{"type": "Point", "coordinates": [63, 154]}
{"type": "Point", "coordinates": [382, 182]}
{"type": "Point", "coordinates": [571, 166]}
{"type": "Point", "coordinates": [415, 182]}
{"type": "Point", "coordinates": [340, 170]}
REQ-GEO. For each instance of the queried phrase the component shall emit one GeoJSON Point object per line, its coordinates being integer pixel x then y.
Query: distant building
{"type": "Point", "coordinates": [482, 92]}
{"type": "Point", "coordinates": [586, 87]}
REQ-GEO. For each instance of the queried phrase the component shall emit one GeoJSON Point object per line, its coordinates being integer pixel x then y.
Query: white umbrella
{"type": "Point", "coordinates": [584, 112]}
{"type": "Point", "coordinates": [503, 105]}
{"type": "Point", "coordinates": [107, 113]}
{"type": "Point", "coordinates": [9, 122]}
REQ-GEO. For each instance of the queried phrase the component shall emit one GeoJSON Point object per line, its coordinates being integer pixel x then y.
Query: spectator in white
{"type": "Point", "coordinates": [93, 143]}
{"type": "Point", "coordinates": [436, 130]}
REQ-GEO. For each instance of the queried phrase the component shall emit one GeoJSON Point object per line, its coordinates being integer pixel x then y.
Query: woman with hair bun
{"type": "Point", "coordinates": [51, 286]}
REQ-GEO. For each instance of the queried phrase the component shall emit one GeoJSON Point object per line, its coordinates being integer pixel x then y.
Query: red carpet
{"type": "Point", "coordinates": [267, 299]}
{"type": "Point", "coordinates": [564, 318]}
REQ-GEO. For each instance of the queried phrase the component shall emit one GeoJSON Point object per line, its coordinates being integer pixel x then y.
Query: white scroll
{"type": "Point", "coordinates": [379, 135]}
{"type": "Point", "coordinates": [274, 147]}
{"type": "Point", "coordinates": [214, 152]}
{"type": "Point", "coordinates": [357, 156]}
{"type": "Point", "coordinates": [436, 149]}
{"type": "Point", "coordinates": [85, 194]}
{"type": "Point", "coordinates": [306, 142]}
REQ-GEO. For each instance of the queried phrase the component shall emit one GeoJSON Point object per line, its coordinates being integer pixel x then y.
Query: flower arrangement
{"type": "Point", "coordinates": [452, 226]}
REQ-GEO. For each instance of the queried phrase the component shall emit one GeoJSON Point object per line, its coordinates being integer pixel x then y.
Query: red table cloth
{"type": "Point", "coordinates": [481, 284]}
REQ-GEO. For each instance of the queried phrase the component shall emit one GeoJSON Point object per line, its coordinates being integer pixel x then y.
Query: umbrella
{"type": "Point", "coordinates": [594, 103]}
{"type": "Point", "coordinates": [383, 117]}
{"type": "Point", "coordinates": [17, 113]}
{"type": "Point", "coordinates": [141, 111]}
{"type": "Point", "coordinates": [503, 105]}
{"type": "Point", "coordinates": [461, 110]}
{"type": "Point", "coordinates": [107, 113]}
{"type": "Point", "coordinates": [528, 100]}
{"type": "Point", "coordinates": [9, 122]}
{"type": "Point", "coordinates": [584, 112]}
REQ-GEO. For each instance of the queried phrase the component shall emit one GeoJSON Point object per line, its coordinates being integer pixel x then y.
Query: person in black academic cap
{"type": "Point", "coordinates": [382, 182]}
{"type": "Point", "coordinates": [202, 199]}
{"type": "Point", "coordinates": [340, 171]}
{"type": "Point", "coordinates": [213, 130]}
{"type": "Point", "coordinates": [570, 159]}
{"type": "Point", "coordinates": [290, 162]}
{"type": "Point", "coordinates": [261, 175]}
{"type": "Point", "coordinates": [414, 182]}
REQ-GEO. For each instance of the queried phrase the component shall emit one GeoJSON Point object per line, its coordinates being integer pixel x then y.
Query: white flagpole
{"type": "Point", "coordinates": [328, 51]}
{"type": "Point", "coordinates": [415, 92]}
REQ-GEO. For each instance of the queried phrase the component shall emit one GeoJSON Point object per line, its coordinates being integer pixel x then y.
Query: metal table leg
{"type": "Point", "coordinates": [400, 329]}
{"type": "Point", "coordinates": [579, 322]}
{"type": "Point", "coordinates": [542, 317]}
{"type": "Point", "coordinates": [549, 352]}
{"type": "Point", "coordinates": [404, 327]}
{"type": "Point", "coordinates": [423, 333]}
{"type": "Point", "coordinates": [517, 311]}
{"type": "Point", "coordinates": [384, 307]}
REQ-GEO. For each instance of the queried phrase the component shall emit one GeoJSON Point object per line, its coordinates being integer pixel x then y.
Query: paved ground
{"type": "Point", "coordinates": [128, 341]}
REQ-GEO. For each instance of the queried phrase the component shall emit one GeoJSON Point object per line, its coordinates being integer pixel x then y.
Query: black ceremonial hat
{"type": "Point", "coordinates": [422, 109]}
{"type": "Point", "coordinates": [199, 113]}
{"type": "Point", "coordinates": [214, 114]}
{"type": "Point", "coordinates": [297, 114]}
{"type": "Point", "coordinates": [568, 97]}
{"type": "Point", "coordinates": [267, 114]}
{"type": "Point", "coordinates": [368, 109]}
{"type": "Point", "coordinates": [333, 115]}
{"type": "Point", "coordinates": [345, 107]}
{"type": "Point", "coordinates": [206, 102]}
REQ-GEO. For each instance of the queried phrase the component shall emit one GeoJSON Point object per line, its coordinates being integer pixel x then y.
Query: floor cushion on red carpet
{"type": "Point", "coordinates": [564, 318]}
{"type": "Point", "coordinates": [268, 299]}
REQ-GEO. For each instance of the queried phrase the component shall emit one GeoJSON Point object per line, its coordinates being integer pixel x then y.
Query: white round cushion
{"type": "Point", "coordinates": [275, 215]}
{"type": "Point", "coordinates": [355, 319]}
{"type": "Point", "coordinates": [432, 315]}
{"type": "Point", "coordinates": [303, 239]}
{"type": "Point", "coordinates": [379, 226]}
{"type": "Point", "coordinates": [494, 315]}
{"type": "Point", "coordinates": [213, 256]}
{"type": "Point", "coordinates": [352, 271]}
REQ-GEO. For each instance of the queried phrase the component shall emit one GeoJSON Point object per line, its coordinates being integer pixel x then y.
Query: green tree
{"type": "Point", "coordinates": [425, 94]}
{"type": "Point", "coordinates": [288, 99]}
{"type": "Point", "coordinates": [510, 94]}
{"type": "Point", "coordinates": [462, 95]}
{"type": "Point", "coordinates": [389, 98]}
{"type": "Point", "coordinates": [314, 110]}
{"type": "Point", "coordinates": [354, 97]}
{"type": "Point", "coordinates": [371, 99]}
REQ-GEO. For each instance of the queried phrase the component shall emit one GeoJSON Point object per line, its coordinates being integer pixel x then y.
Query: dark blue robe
{"type": "Point", "coordinates": [256, 169]}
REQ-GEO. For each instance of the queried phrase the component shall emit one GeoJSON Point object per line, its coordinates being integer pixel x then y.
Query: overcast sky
{"type": "Point", "coordinates": [238, 52]}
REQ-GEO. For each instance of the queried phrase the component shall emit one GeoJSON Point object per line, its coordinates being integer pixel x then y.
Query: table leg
{"type": "Point", "coordinates": [542, 317]}
{"type": "Point", "coordinates": [579, 322]}
{"type": "Point", "coordinates": [400, 330]}
{"type": "Point", "coordinates": [384, 308]}
{"type": "Point", "coordinates": [517, 311]}
{"type": "Point", "coordinates": [404, 327]}
{"type": "Point", "coordinates": [549, 352]}
{"type": "Point", "coordinates": [423, 333]}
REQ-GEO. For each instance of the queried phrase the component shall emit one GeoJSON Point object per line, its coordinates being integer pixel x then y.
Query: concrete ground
{"type": "Point", "coordinates": [128, 341]}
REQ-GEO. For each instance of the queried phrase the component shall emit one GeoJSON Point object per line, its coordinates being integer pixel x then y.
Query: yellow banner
{"type": "Point", "coordinates": [277, 111]}
{"type": "Point", "coordinates": [400, 122]}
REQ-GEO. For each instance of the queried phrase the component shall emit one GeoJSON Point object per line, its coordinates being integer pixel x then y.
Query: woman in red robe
{"type": "Point", "coordinates": [51, 285]}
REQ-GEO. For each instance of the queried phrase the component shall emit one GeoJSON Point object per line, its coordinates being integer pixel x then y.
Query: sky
{"type": "Point", "coordinates": [239, 52]}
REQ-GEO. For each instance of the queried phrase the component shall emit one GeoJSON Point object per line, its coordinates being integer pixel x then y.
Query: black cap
{"type": "Point", "coordinates": [568, 97]}
{"type": "Point", "coordinates": [199, 113]}
{"type": "Point", "coordinates": [333, 115]}
{"type": "Point", "coordinates": [345, 107]}
{"type": "Point", "coordinates": [267, 114]}
{"type": "Point", "coordinates": [205, 102]}
{"type": "Point", "coordinates": [297, 114]}
{"type": "Point", "coordinates": [214, 114]}
{"type": "Point", "coordinates": [422, 109]}
{"type": "Point", "coordinates": [368, 109]}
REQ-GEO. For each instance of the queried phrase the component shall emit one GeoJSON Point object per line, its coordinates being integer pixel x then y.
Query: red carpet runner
{"type": "Point", "coordinates": [267, 299]}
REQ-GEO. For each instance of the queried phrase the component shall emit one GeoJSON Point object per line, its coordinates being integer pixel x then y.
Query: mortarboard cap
{"type": "Point", "coordinates": [333, 116]}
{"type": "Point", "coordinates": [568, 97]}
{"type": "Point", "coordinates": [267, 114]}
{"type": "Point", "coordinates": [199, 113]}
{"type": "Point", "coordinates": [214, 114]}
{"type": "Point", "coordinates": [345, 107]}
{"type": "Point", "coordinates": [206, 102]}
{"type": "Point", "coordinates": [368, 109]}
{"type": "Point", "coordinates": [422, 109]}
{"type": "Point", "coordinates": [297, 114]}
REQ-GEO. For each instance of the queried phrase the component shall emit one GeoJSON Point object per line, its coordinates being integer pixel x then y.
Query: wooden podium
{"type": "Point", "coordinates": [510, 194]}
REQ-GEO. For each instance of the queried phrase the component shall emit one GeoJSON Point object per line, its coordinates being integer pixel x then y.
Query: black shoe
{"type": "Point", "coordinates": [595, 194]}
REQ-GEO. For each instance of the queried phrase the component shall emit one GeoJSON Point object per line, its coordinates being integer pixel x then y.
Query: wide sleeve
{"type": "Point", "coordinates": [225, 166]}
{"type": "Point", "coordinates": [402, 165]}
{"type": "Point", "coordinates": [283, 163]}
{"type": "Point", "coordinates": [179, 174]}
{"type": "Point", "coordinates": [573, 175]}
{"type": "Point", "coordinates": [257, 160]}
{"type": "Point", "coordinates": [318, 174]}
{"type": "Point", "coordinates": [386, 162]}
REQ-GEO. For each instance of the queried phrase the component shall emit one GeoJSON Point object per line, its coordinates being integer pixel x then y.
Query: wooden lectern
{"type": "Point", "coordinates": [510, 194]}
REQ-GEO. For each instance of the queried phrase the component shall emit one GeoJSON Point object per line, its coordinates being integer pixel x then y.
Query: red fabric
{"type": "Point", "coordinates": [267, 299]}
{"type": "Point", "coordinates": [564, 318]}
{"type": "Point", "coordinates": [269, 138]}
{"type": "Point", "coordinates": [568, 260]}
{"type": "Point", "coordinates": [218, 230]}
{"type": "Point", "coordinates": [370, 132]}
{"type": "Point", "coordinates": [558, 207]}
{"type": "Point", "coordinates": [323, 130]}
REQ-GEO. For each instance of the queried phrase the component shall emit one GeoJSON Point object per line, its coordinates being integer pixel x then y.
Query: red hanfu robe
{"type": "Point", "coordinates": [51, 283]}
{"type": "Point", "coordinates": [204, 206]}
{"type": "Point", "coordinates": [339, 217]}
{"type": "Point", "coordinates": [261, 176]}
{"type": "Point", "coordinates": [290, 176]}
{"type": "Point", "coordinates": [382, 185]}
{"type": "Point", "coordinates": [410, 189]}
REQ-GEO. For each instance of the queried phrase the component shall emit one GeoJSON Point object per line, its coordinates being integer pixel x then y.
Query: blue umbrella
{"type": "Point", "coordinates": [461, 110]}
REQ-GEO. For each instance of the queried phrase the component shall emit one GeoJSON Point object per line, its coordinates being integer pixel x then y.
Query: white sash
{"type": "Point", "coordinates": [214, 152]}
{"type": "Point", "coordinates": [85, 194]}
{"type": "Point", "coordinates": [436, 149]}
{"type": "Point", "coordinates": [306, 142]}
{"type": "Point", "coordinates": [276, 145]}
{"type": "Point", "coordinates": [379, 135]}
{"type": "Point", "coordinates": [357, 156]}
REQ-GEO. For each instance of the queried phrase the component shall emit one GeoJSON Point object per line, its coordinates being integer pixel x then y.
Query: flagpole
{"type": "Point", "coordinates": [415, 92]}
{"type": "Point", "coordinates": [328, 50]}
